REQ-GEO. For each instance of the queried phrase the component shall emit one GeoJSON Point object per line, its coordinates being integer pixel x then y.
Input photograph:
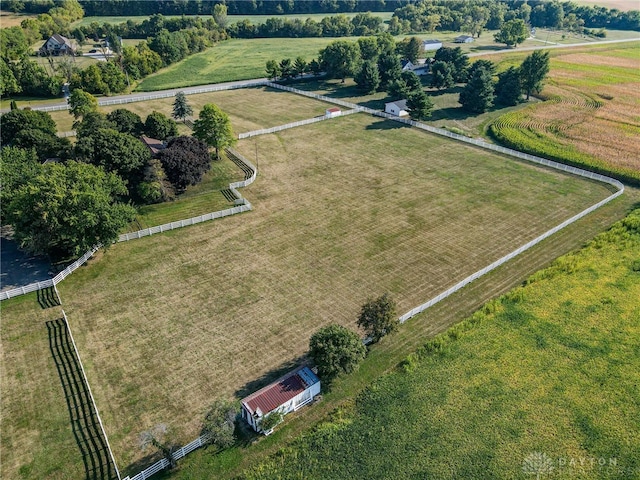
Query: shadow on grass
{"type": "Point", "coordinates": [84, 422]}
{"type": "Point", "coordinates": [48, 298]}
{"type": "Point", "coordinates": [386, 125]}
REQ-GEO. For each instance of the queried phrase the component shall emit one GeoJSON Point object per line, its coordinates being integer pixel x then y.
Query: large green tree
{"type": "Point", "coordinates": [378, 317]}
{"type": "Point", "coordinates": [81, 103]}
{"type": "Point", "coordinates": [17, 120]}
{"type": "Point", "coordinates": [512, 32]}
{"type": "Point", "coordinates": [336, 349]}
{"type": "Point", "coordinates": [340, 59]}
{"type": "Point", "coordinates": [68, 208]}
{"type": "Point", "coordinates": [441, 75]}
{"type": "Point", "coordinates": [213, 127]}
{"type": "Point", "coordinates": [368, 78]}
{"type": "Point", "coordinates": [457, 59]}
{"type": "Point", "coordinates": [389, 68]}
{"type": "Point", "coordinates": [420, 105]}
{"type": "Point", "coordinates": [126, 121]}
{"type": "Point", "coordinates": [533, 71]}
{"type": "Point", "coordinates": [17, 167]}
{"type": "Point", "coordinates": [478, 94]}
{"type": "Point", "coordinates": [219, 424]}
{"type": "Point", "coordinates": [158, 125]}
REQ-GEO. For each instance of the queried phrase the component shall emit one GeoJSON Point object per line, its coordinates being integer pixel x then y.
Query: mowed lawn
{"type": "Point", "coordinates": [36, 436]}
{"type": "Point", "coordinates": [248, 108]}
{"type": "Point", "coordinates": [344, 209]}
{"type": "Point", "coordinates": [552, 367]}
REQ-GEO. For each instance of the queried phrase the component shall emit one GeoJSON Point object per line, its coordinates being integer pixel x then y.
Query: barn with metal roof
{"type": "Point", "coordinates": [287, 394]}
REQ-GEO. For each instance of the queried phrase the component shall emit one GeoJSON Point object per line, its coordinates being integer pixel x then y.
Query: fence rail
{"type": "Point", "coordinates": [299, 123]}
{"type": "Point", "coordinates": [176, 455]}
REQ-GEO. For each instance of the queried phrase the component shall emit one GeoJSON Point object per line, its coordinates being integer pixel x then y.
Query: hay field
{"type": "Point", "coordinates": [344, 210]}
{"type": "Point", "coordinates": [36, 435]}
{"type": "Point", "coordinates": [591, 113]}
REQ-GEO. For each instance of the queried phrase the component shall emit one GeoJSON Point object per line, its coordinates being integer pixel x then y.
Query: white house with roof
{"type": "Point", "coordinates": [431, 45]}
{"type": "Point", "coordinates": [397, 108]}
{"type": "Point", "coordinates": [287, 394]}
{"type": "Point", "coordinates": [57, 45]}
{"type": "Point", "coordinates": [463, 39]}
{"type": "Point", "coordinates": [407, 65]}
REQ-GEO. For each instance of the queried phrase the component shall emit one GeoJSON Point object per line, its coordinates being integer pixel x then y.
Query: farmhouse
{"type": "Point", "coordinates": [57, 45]}
{"type": "Point", "coordinates": [332, 112]}
{"type": "Point", "coordinates": [431, 45]}
{"type": "Point", "coordinates": [397, 108]}
{"type": "Point", "coordinates": [287, 394]}
{"type": "Point", "coordinates": [463, 39]}
{"type": "Point", "coordinates": [407, 65]}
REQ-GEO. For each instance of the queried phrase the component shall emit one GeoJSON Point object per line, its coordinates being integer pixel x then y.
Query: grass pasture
{"type": "Point", "coordinates": [344, 209]}
{"type": "Point", "coordinates": [590, 117]}
{"type": "Point", "coordinates": [36, 435]}
{"type": "Point", "coordinates": [551, 367]}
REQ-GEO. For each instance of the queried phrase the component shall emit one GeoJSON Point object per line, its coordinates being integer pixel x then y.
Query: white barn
{"type": "Point", "coordinates": [287, 394]}
{"type": "Point", "coordinates": [397, 108]}
{"type": "Point", "coordinates": [463, 39]}
{"type": "Point", "coordinates": [431, 45]}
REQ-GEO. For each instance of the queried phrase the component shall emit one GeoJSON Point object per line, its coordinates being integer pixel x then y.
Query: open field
{"type": "Point", "coordinates": [590, 116]}
{"type": "Point", "coordinates": [36, 436]}
{"type": "Point", "coordinates": [10, 19]}
{"type": "Point", "coordinates": [624, 5]}
{"type": "Point", "coordinates": [255, 286]}
{"type": "Point", "coordinates": [551, 367]}
{"type": "Point", "coordinates": [248, 108]}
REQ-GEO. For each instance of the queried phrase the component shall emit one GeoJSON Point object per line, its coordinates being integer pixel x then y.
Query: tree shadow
{"type": "Point", "coordinates": [488, 48]}
{"type": "Point", "coordinates": [437, 93]}
{"type": "Point", "coordinates": [386, 125]}
{"type": "Point", "coordinates": [86, 429]}
{"type": "Point", "coordinates": [48, 298]}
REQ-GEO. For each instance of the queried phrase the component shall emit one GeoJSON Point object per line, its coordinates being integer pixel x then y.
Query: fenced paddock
{"type": "Point", "coordinates": [348, 209]}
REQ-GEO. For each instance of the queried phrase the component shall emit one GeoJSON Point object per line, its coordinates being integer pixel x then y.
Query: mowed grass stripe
{"type": "Point", "coordinates": [342, 212]}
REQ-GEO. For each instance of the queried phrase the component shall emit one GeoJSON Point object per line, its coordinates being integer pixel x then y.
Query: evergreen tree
{"type": "Point", "coordinates": [299, 66]}
{"type": "Point", "coordinates": [181, 108]}
{"type": "Point", "coordinates": [478, 94]}
{"type": "Point", "coordinates": [273, 70]}
{"type": "Point", "coordinates": [508, 88]}
{"type": "Point", "coordinates": [368, 78]}
{"type": "Point", "coordinates": [389, 68]}
{"type": "Point", "coordinates": [441, 75]}
{"type": "Point", "coordinates": [419, 105]}
{"type": "Point", "coordinates": [533, 71]}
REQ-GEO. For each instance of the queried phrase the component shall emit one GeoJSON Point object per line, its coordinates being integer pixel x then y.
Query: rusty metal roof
{"type": "Point", "coordinates": [281, 391]}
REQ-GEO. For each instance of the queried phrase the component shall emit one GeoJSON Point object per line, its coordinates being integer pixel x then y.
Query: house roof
{"type": "Point", "coordinates": [401, 104]}
{"type": "Point", "coordinates": [60, 39]}
{"type": "Point", "coordinates": [405, 62]}
{"type": "Point", "coordinates": [280, 392]}
{"type": "Point", "coordinates": [464, 37]}
{"type": "Point", "coordinates": [154, 144]}
{"type": "Point", "coordinates": [427, 42]}
{"type": "Point", "coordinates": [333, 109]}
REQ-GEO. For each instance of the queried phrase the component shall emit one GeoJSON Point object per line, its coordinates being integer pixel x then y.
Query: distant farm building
{"type": "Point", "coordinates": [431, 45]}
{"type": "Point", "coordinates": [397, 108]}
{"type": "Point", "coordinates": [57, 45]}
{"type": "Point", "coordinates": [407, 65]}
{"type": "Point", "coordinates": [463, 39]}
{"type": "Point", "coordinates": [285, 395]}
{"type": "Point", "coordinates": [332, 112]}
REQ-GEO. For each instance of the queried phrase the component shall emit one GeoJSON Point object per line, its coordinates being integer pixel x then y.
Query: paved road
{"type": "Point", "coordinates": [140, 96]}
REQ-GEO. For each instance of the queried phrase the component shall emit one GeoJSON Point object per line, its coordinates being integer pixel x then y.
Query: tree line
{"type": "Point", "coordinates": [86, 192]}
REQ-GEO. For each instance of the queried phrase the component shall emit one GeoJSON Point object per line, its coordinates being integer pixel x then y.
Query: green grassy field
{"type": "Point", "coordinates": [336, 219]}
{"type": "Point", "coordinates": [551, 367]}
{"type": "Point", "coordinates": [36, 436]}
{"type": "Point", "coordinates": [589, 117]}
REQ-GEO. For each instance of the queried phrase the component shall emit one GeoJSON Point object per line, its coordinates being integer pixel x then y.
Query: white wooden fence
{"type": "Point", "coordinates": [176, 455]}
{"type": "Point", "coordinates": [299, 123]}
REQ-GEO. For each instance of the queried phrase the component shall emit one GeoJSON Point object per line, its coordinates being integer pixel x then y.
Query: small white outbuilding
{"type": "Point", "coordinates": [332, 112]}
{"type": "Point", "coordinates": [397, 108]}
{"type": "Point", "coordinates": [285, 395]}
{"type": "Point", "coordinates": [431, 45]}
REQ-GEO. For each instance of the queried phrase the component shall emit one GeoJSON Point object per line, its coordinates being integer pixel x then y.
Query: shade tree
{"type": "Point", "coordinates": [185, 161]}
{"type": "Point", "coordinates": [335, 349]}
{"type": "Point", "coordinates": [214, 128]}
